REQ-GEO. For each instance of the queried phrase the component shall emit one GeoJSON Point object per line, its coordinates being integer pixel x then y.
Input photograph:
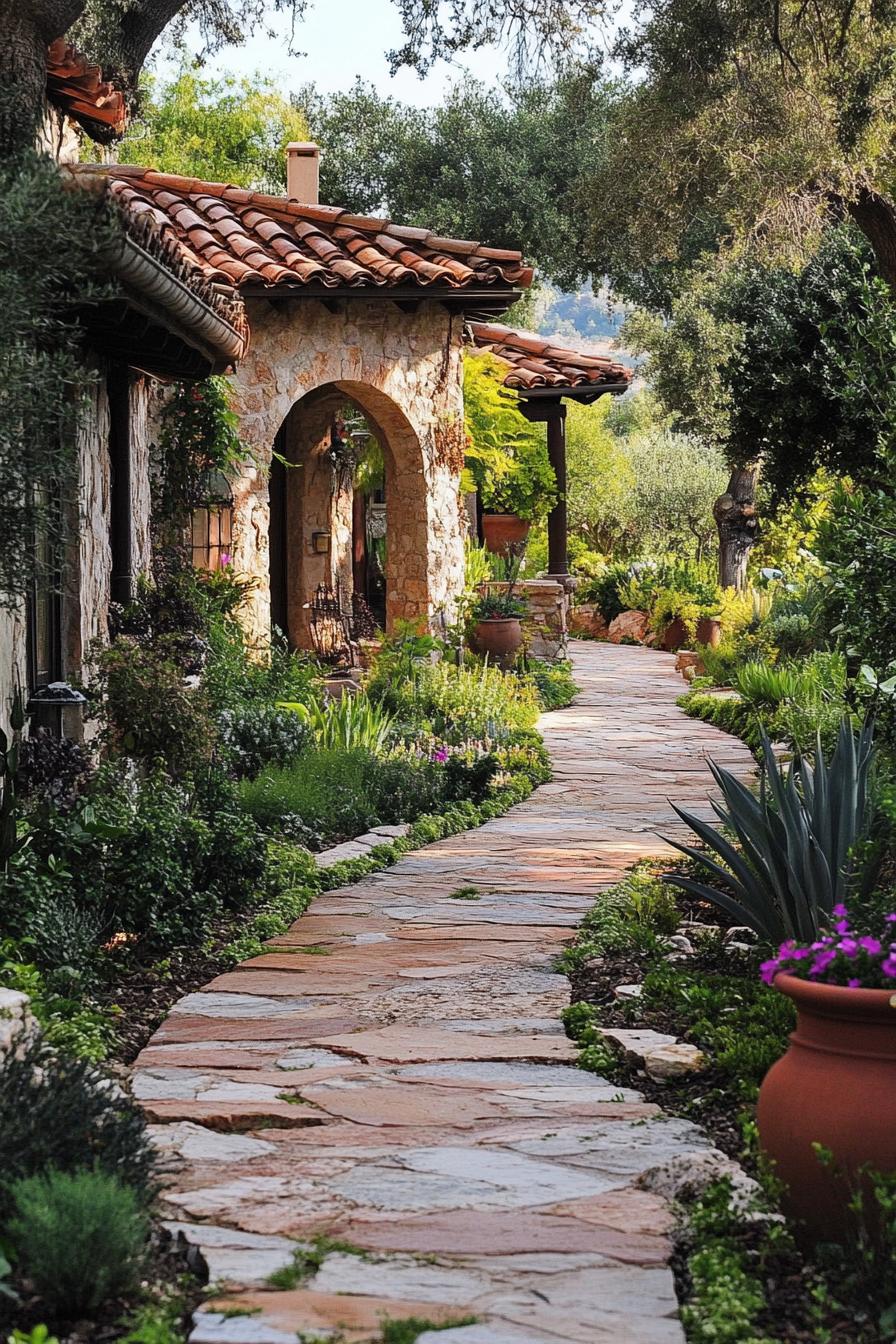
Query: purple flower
{"type": "Point", "coordinates": [440, 755]}
{"type": "Point", "coordinates": [853, 984]}
{"type": "Point", "coordinates": [822, 962]}
{"type": "Point", "coordinates": [889, 967]}
{"type": "Point", "coordinates": [871, 945]}
{"type": "Point", "coordinates": [849, 947]}
{"type": "Point", "coordinates": [840, 911]}
{"type": "Point", "coordinates": [891, 919]}
{"type": "Point", "coordinates": [769, 969]}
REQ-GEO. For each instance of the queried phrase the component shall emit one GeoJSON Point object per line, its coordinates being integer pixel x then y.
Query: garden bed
{"type": "Point", "coordinates": [741, 1276]}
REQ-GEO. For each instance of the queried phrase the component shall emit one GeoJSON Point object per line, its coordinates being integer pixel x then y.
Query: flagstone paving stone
{"type": "Point", "coordinates": [406, 1086]}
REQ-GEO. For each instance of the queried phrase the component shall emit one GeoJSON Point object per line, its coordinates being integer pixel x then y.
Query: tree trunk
{"type": "Point", "coordinates": [876, 217]}
{"type": "Point", "coordinates": [28, 28]}
{"type": "Point", "coordinates": [735, 515]}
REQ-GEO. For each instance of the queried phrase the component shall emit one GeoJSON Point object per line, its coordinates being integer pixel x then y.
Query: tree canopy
{"type": "Point", "coordinates": [120, 35]}
{"type": "Point", "coordinates": [224, 130]}
{"type": "Point", "coordinates": [507, 165]}
{"type": "Point", "coordinates": [750, 124]}
{"type": "Point", "coordinates": [779, 364]}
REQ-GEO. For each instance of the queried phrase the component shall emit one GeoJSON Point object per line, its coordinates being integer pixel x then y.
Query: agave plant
{"type": "Point", "coordinates": [794, 861]}
{"type": "Point", "coordinates": [353, 721]}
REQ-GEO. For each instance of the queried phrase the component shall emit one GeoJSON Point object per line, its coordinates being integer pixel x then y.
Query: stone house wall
{"type": "Point", "coordinates": [403, 370]}
{"type": "Point", "coordinates": [87, 565]}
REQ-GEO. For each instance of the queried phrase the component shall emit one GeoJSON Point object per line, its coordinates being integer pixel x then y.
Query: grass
{"type": "Point", "coordinates": [307, 1259]}
{"type": "Point", "coordinates": [407, 1329]}
{"type": "Point", "coordinates": [465, 894]}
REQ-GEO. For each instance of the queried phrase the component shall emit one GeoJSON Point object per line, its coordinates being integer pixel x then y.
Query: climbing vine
{"type": "Point", "coordinates": [50, 244]}
{"type": "Point", "coordinates": [199, 435]}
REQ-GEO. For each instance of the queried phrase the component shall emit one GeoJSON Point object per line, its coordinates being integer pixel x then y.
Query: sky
{"type": "Point", "coordinates": [339, 40]}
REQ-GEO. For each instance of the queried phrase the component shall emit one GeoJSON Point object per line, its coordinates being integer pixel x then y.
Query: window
{"type": "Point", "coordinates": [212, 523]}
{"type": "Point", "coordinates": [44, 613]}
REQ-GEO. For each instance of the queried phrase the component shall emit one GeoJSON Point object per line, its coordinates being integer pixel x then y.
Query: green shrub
{"type": "Point", "coordinates": [148, 857]}
{"type": "Point", "coordinates": [333, 794]}
{"type": "Point", "coordinates": [63, 1113]}
{"type": "Point", "coordinates": [255, 734]}
{"type": "Point", "coordinates": [459, 704]}
{"type": "Point", "coordinates": [147, 709]}
{"type": "Point", "coordinates": [326, 796]}
{"type": "Point", "coordinates": [553, 682]}
{"type": "Point", "coordinates": [604, 590]}
{"type": "Point", "coordinates": [79, 1237]}
{"type": "Point", "coordinates": [238, 673]}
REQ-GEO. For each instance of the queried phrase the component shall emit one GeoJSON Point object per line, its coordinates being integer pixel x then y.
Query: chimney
{"type": "Point", "coordinates": [303, 172]}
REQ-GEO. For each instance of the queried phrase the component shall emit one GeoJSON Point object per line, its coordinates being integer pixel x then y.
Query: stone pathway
{"type": "Point", "coordinates": [393, 1075]}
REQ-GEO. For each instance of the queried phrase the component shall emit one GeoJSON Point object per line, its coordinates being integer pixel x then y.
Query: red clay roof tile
{"type": "Point", "coordinates": [253, 239]}
{"type": "Point", "coordinates": [534, 362]}
{"type": "Point", "coordinates": [79, 89]}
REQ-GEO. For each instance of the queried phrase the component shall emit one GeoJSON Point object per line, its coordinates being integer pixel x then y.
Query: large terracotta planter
{"type": "Point", "coordinates": [836, 1086]}
{"type": "Point", "coordinates": [503, 530]}
{"type": "Point", "coordinates": [674, 635]}
{"type": "Point", "coordinates": [709, 631]}
{"type": "Point", "coordinates": [499, 639]}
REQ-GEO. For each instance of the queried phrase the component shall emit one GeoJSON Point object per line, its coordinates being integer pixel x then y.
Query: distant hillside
{"type": "Point", "coordinates": [587, 320]}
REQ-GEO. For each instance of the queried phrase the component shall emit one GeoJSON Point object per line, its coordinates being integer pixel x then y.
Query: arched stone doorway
{"type": "Point", "coordinates": [312, 528]}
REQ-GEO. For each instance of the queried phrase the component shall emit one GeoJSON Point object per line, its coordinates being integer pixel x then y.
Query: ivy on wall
{"type": "Point", "coordinates": [199, 435]}
{"type": "Point", "coordinates": [50, 243]}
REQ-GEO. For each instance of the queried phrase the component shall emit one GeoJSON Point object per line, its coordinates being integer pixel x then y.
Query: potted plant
{"type": "Point", "coordinates": [787, 879]}
{"type": "Point", "coordinates": [506, 459]}
{"type": "Point", "coordinates": [497, 625]}
{"type": "Point", "coordinates": [827, 1108]}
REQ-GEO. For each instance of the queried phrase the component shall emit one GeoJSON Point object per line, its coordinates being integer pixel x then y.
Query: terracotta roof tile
{"type": "Point", "coordinates": [535, 362]}
{"type": "Point", "coordinates": [151, 229]}
{"type": "Point", "coordinates": [79, 89]}
{"type": "Point", "coordinates": [253, 239]}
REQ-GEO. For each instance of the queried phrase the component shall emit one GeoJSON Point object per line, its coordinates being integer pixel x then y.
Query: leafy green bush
{"type": "Point", "coordinates": [147, 857]}
{"type": "Point", "coordinates": [458, 704]}
{"type": "Point", "coordinates": [552, 681]}
{"type": "Point", "coordinates": [238, 674]}
{"type": "Point", "coordinates": [332, 794]}
{"type": "Point", "coordinates": [80, 1238]}
{"type": "Point", "coordinates": [604, 590]}
{"type": "Point", "coordinates": [63, 1113]}
{"type": "Point", "coordinates": [148, 710]}
{"type": "Point", "coordinates": [255, 734]}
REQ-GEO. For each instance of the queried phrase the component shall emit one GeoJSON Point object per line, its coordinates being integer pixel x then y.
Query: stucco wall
{"type": "Point", "coordinates": [403, 370]}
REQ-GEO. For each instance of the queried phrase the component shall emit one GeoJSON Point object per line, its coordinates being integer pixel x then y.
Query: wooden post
{"type": "Point", "coordinates": [553, 413]}
{"type": "Point", "coordinates": [558, 558]}
{"type": "Point", "coordinates": [359, 543]}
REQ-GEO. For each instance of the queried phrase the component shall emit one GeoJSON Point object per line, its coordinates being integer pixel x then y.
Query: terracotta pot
{"type": "Point", "coordinates": [499, 639]}
{"type": "Point", "coordinates": [502, 530]}
{"type": "Point", "coordinates": [709, 631]}
{"type": "Point", "coordinates": [674, 635]}
{"type": "Point", "coordinates": [836, 1086]}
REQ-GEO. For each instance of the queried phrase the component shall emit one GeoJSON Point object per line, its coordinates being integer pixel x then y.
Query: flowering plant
{"type": "Point", "coordinates": [840, 957]}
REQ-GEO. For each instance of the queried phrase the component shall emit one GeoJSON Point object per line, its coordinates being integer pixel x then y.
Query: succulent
{"type": "Point", "coordinates": [793, 863]}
